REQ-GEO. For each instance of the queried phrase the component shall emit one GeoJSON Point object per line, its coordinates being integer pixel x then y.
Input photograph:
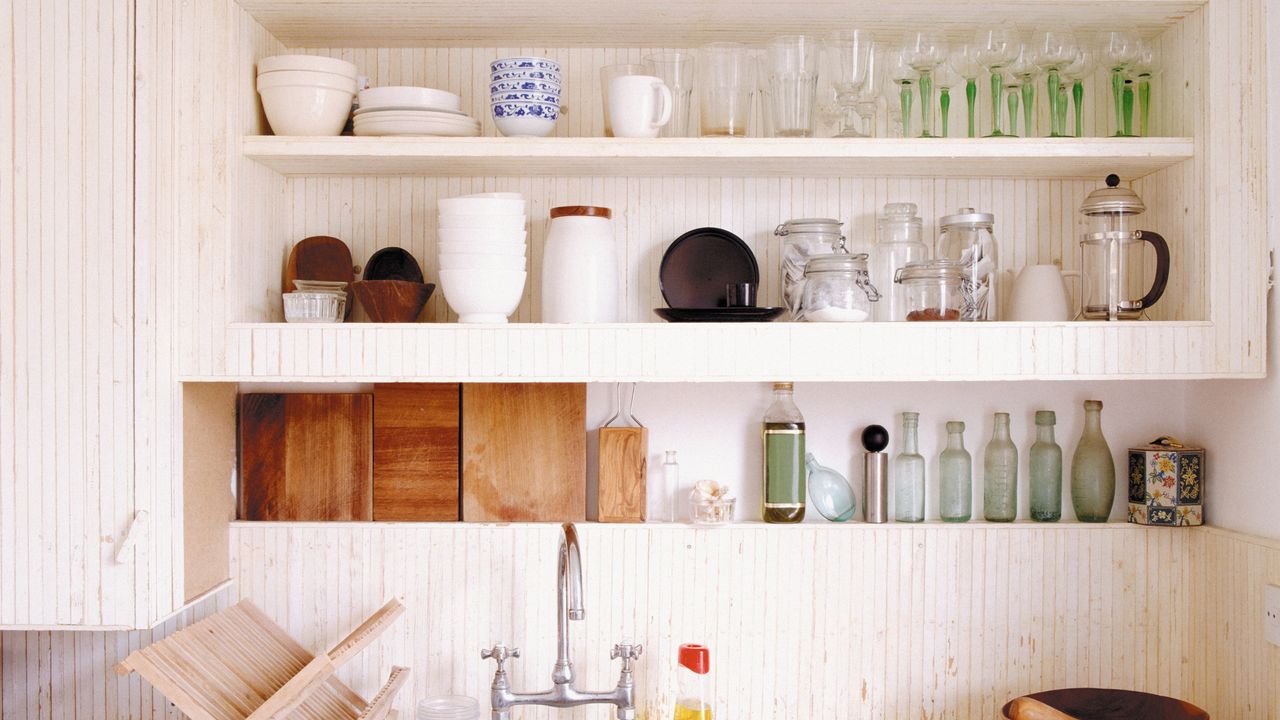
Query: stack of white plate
{"type": "Point", "coordinates": [405, 110]}
{"type": "Point", "coordinates": [482, 255]}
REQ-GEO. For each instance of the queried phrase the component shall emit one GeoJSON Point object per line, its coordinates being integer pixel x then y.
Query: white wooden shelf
{"type": "Point", "coordinates": [678, 23]}
{"type": "Point", "coordinates": [712, 352]}
{"type": "Point", "coordinates": [743, 157]}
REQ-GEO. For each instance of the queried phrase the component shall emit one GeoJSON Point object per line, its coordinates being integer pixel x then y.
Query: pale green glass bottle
{"type": "Point", "coordinates": [1000, 474]}
{"type": "Point", "coordinates": [955, 477]}
{"type": "Point", "coordinates": [908, 473]}
{"type": "Point", "coordinates": [1093, 471]}
{"type": "Point", "coordinates": [1046, 470]}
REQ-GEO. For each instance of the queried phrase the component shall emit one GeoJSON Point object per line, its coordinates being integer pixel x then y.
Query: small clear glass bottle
{"type": "Point", "coordinates": [908, 473]}
{"type": "Point", "coordinates": [693, 696]}
{"type": "Point", "coordinates": [1000, 474]}
{"type": "Point", "coordinates": [1046, 470]}
{"type": "Point", "coordinates": [670, 487]}
{"type": "Point", "coordinates": [782, 434]}
{"type": "Point", "coordinates": [955, 477]}
{"type": "Point", "coordinates": [1093, 471]}
{"type": "Point", "coordinates": [897, 243]}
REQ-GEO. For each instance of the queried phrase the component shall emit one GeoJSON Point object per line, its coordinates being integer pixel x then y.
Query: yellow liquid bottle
{"type": "Point", "coordinates": [692, 677]}
{"type": "Point", "coordinates": [692, 710]}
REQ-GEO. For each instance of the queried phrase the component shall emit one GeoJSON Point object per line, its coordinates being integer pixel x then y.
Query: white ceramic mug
{"type": "Point", "coordinates": [1040, 295]}
{"type": "Point", "coordinates": [639, 105]}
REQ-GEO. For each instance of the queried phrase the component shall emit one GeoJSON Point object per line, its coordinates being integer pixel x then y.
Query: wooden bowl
{"type": "Point", "coordinates": [1101, 704]}
{"type": "Point", "coordinates": [392, 301]}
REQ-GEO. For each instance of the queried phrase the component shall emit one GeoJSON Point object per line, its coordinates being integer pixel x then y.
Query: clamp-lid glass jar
{"type": "Point", "coordinates": [802, 239]}
{"type": "Point", "coordinates": [968, 236]}
{"type": "Point", "coordinates": [837, 288]}
{"type": "Point", "coordinates": [934, 289]}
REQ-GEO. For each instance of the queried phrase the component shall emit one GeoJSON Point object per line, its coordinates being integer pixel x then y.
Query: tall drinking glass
{"type": "Point", "coordinates": [1144, 67]}
{"type": "Point", "coordinates": [1080, 68]}
{"type": "Point", "coordinates": [924, 51]}
{"type": "Point", "coordinates": [964, 61]}
{"type": "Point", "coordinates": [607, 74]}
{"type": "Point", "coordinates": [1054, 49]}
{"type": "Point", "coordinates": [904, 76]}
{"type": "Point", "coordinates": [947, 79]}
{"type": "Point", "coordinates": [850, 52]}
{"type": "Point", "coordinates": [1118, 49]}
{"type": "Point", "coordinates": [867, 101]}
{"type": "Point", "coordinates": [996, 48]}
{"type": "Point", "coordinates": [676, 70]}
{"type": "Point", "coordinates": [728, 82]}
{"type": "Point", "coordinates": [791, 64]}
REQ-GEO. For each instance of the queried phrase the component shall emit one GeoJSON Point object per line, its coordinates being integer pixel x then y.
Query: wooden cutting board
{"type": "Point", "coordinates": [415, 451]}
{"type": "Point", "coordinates": [524, 452]}
{"type": "Point", "coordinates": [306, 456]}
{"type": "Point", "coordinates": [623, 474]}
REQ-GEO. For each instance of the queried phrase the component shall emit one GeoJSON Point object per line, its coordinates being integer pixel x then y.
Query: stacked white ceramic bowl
{"type": "Point", "coordinates": [306, 95]}
{"type": "Point", "coordinates": [407, 110]}
{"type": "Point", "coordinates": [524, 94]}
{"type": "Point", "coordinates": [482, 255]}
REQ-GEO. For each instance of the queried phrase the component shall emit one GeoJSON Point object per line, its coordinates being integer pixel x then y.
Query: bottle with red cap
{"type": "Point", "coordinates": [692, 678]}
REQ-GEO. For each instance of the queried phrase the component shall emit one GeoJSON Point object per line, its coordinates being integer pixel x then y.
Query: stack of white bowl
{"type": "Point", "coordinates": [306, 94]}
{"type": "Point", "coordinates": [406, 110]}
{"type": "Point", "coordinates": [524, 93]}
{"type": "Point", "coordinates": [482, 255]}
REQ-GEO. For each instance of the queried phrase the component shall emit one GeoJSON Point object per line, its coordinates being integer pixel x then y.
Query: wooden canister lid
{"type": "Point", "coordinates": [589, 210]}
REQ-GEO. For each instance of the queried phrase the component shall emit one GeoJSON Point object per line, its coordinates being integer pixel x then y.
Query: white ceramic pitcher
{"type": "Point", "coordinates": [1040, 295]}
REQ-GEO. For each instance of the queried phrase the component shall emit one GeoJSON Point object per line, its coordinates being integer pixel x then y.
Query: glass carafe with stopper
{"type": "Point", "coordinates": [897, 243]}
{"type": "Point", "coordinates": [908, 473]}
{"type": "Point", "coordinates": [968, 237]}
{"type": "Point", "coordinates": [1112, 260]}
{"type": "Point", "coordinates": [784, 458]}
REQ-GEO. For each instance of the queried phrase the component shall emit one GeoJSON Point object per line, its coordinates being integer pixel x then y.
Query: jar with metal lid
{"type": "Point", "coordinates": [897, 244]}
{"type": "Point", "coordinates": [837, 288]}
{"type": "Point", "coordinates": [968, 237]}
{"type": "Point", "coordinates": [802, 239]}
{"type": "Point", "coordinates": [933, 289]}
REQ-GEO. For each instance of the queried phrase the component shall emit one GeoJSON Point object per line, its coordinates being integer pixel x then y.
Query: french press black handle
{"type": "Point", "coordinates": [1162, 268]}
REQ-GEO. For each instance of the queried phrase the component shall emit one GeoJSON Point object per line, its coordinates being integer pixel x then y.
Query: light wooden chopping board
{"type": "Point", "coordinates": [415, 451]}
{"type": "Point", "coordinates": [524, 452]}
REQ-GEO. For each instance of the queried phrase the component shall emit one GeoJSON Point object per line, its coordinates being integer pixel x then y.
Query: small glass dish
{"type": "Point", "coordinates": [312, 307]}
{"type": "Point", "coordinates": [711, 512]}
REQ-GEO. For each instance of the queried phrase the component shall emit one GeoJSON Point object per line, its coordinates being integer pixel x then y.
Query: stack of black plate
{"type": "Point", "coordinates": [694, 272]}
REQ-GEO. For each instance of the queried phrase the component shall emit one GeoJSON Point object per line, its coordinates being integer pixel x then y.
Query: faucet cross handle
{"type": "Point", "coordinates": [501, 653]}
{"type": "Point", "coordinates": [627, 652]}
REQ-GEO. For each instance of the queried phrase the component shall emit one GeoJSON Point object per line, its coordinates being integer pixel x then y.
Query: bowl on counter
{"type": "Point", "coordinates": [483, 296]}
{"type": "Point", "coordinates": [306, 103]}
{"type": "Point", "coordinates": [312, 307]}
{"type": "Point", "coordinates": [310, 63]}
{"type": "Point", "coordinates": [525, 119]}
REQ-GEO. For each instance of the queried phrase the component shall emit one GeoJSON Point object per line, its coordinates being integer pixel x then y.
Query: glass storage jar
{"type": "Point", "coordinates": [933, 289]}
{"type": "Point", "coordinates": [802, 239]}
{"type": "Point", "coordinates": [897, 244]}
{"type": "Point", "coordinates": [837, 289]}
{"type": "Point", "coordinates": [968, 237]}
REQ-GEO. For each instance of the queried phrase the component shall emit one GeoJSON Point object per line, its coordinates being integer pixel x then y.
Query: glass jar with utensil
{"type": "Point", "coordinates": [837, 288]}
{"type": "Point", "coordinates": [968, 237]}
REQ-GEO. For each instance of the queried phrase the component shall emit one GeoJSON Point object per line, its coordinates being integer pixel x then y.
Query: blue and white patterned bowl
{"type": "Point", "coordinates": [526, 109]}
{"type": "Point", "coordinates": [524, 63]}
{"type": "Point", "coordinates": [548, 75]}
{"type": "Point", "coordinates": [527, 84]}
{"type": "Point", "coordinates": [517, 96]}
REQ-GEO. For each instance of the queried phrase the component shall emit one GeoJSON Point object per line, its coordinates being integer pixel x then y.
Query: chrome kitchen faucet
{"type": "Point", "coordinates": [562, 693]}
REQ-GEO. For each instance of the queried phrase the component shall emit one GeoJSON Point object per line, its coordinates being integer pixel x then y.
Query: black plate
{"type": "Point", "coordinates": [734, 314]}
{"type": "Point", "coordinates": [696, 267]}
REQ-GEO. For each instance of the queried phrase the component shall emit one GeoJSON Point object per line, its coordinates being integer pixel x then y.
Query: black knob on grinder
{"type": "Point", "coordinates": [875, 438]}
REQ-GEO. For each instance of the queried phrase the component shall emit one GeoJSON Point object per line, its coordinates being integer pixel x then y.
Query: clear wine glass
{"type": "Point", "coordinates": [924, 51]}
{"type": "Point", "coordinates": [850, 52]}
{"type": "Point", "coordinates": [904, 76]}
{"type": "Point", "coordinates": [1144, 66]}
{"type": "Point", "coordinates": [964, 62]}
{"type": "Point", "coordinates": [1077, 71]}
{"type": "Point", "coordinates": [867, 102]}
{"type": "Point", "coordinates": [996, 48]}
{"type": "Point", "coordinates": [1053, 49]}
{"type": "Point", "coordinates": [1019, 84]}
{"type": "Point", "coordinates": [946, 78]}
{"type": "Point", "coordinates": [1117, 49]}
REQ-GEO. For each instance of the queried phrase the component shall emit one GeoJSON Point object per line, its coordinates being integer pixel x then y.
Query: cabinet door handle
{"type": "Point", "coordinates": [137, 530]}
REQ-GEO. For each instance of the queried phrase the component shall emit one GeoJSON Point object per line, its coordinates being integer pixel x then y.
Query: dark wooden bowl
{"type": "Point", "coordinates": [1100, 704]}
{"type": "Point", "coordinates": [392, 301]}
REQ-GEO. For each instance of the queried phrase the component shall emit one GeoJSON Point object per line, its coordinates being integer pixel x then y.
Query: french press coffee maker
{"type": "Point", "coordinates": [1112, 256]}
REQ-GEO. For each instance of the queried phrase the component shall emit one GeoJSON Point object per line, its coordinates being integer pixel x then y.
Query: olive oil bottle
{"type": "Point", "coordinates": [784, 466]}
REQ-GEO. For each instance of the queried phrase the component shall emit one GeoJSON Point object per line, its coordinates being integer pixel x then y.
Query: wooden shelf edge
{"type": "Point", "coordinates": [753, 525]}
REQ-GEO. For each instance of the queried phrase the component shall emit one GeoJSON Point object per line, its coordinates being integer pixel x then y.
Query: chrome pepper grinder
{"type": "Point", "coordinates": [875, 469]}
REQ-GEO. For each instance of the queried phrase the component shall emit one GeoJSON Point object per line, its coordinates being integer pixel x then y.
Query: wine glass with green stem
{"type": "Point", "coordinates": [1053, 49]}
{"type": "Point", "coordinates": [849, 52]}
{"type": "Point", "coordinates": [964, 63]}
{"type": "Point", "coordinates": [904, 77]}
{"type": "Point", "coordinates": [1020, 82]}
{"type": "Point", "coordinates": [1117, 49]}
{"type": "Point", "coordinates": [925, 50]}
{"type": "Point", "coordinates": [1143, 68]}
{"type": "Point", "coordinates": [1076, 72]}
{"type": "Point", "coordinates": [996, 47]}
{"type": "Point", "coordinates": [946, 78]}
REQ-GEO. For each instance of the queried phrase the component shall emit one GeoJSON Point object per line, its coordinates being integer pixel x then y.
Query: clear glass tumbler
{"type": "Point", "coordinates": [791, 66]}
{"type": "Point", "coordinates": [676, 70]}
{"type": "Point", "coordinates": [727, 85]}
{"type": "Point", "coordinates": [607, 74]}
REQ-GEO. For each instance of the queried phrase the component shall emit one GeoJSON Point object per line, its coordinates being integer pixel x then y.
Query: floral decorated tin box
{"type": "Point", "coordinates": [1166, 484]}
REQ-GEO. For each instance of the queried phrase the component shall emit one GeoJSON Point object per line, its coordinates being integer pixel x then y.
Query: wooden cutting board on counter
{"type": "Point", "coordinates": [306, 456]}
{"type": "Point", "coordinates": [623, 474]}
{"type": "Point", "coordinates": [415, 451]}
{"type": "Point", "coordinates": [524, 452]}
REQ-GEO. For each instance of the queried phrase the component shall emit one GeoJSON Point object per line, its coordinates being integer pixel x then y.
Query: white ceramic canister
{"type": "Point", "coordinates": [580, 266]}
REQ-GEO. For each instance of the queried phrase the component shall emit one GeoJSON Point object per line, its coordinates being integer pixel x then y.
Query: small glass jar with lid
{"type": "Point", "coordinates": [802, 239]}
{"type": "Point", "coordinates": [968, 236]}
{"type": "Point", "coordinates": [934, 289]}
{"type": "Point", "coordinates": [837, 288]}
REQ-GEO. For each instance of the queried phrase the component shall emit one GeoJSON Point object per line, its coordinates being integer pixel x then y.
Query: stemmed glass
{"type": "Point", "coordinates": [1020, 79]}
{"type": "Point", "coordinates": [1118, 49]}
{"type": "Point", "coordinates": [946, 78]}
{"type": "Point", "coordinates": [1076, 71]}
{"type": "Point", "coordinates": [1144, 67]}
{"type": "Point", "coordinates": [1054, 49]}
{"type": "Point", "coordinates": [924, 51]}
{"type": "Point", "coordinates": [851, 52]}
{"type": "Point", "coordinates": [867, 102]}
{"type": "Point", "coordinates": [996, 48]}
{"type": "Point", "coordinates": [964, 63]}
{"type": "Point", "coordinates": [899, 70]}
